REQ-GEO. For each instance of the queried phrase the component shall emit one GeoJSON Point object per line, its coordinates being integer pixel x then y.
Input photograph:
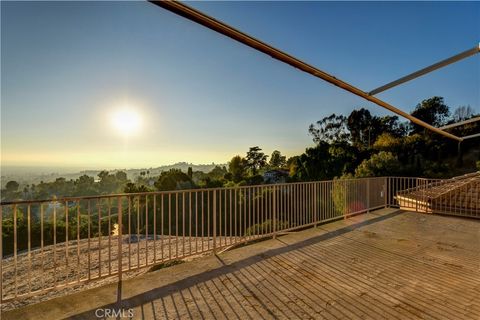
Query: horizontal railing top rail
{"type": "Point", "coordinates": [166, 192]}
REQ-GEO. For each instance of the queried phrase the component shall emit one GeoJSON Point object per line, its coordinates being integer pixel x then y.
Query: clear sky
{"type": "Point", "coordinates": [68, 67]}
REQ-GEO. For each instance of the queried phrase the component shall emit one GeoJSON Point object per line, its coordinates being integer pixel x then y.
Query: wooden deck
{"type": "Point", "coordinates": [387, 264]}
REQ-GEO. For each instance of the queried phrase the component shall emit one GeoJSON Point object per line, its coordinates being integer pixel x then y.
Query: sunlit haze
{"type": "Point", "coordinates": [128, 84]}
{"type": "Point", "coordinates": [126, 121]}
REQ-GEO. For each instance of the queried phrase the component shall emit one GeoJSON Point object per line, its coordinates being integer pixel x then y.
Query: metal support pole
{"type": "Point", "coordinates": [433, 67]}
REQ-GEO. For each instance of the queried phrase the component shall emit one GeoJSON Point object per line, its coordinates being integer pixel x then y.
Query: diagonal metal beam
{"type": "Point", "coordinates": [461, 123]}
{"type": "Point", "coordinates": [220, 27]}
{"type": "Point", "coordinates": [476, 135]}
{"type": "Point", "coordinates": [433, 67]}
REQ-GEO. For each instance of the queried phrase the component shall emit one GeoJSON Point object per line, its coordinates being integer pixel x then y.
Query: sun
{"type": "Point", "coordinates": [126, 121]}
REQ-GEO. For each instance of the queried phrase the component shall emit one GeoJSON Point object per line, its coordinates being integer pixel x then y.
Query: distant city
{"type": "Point", "coordinates": [34, 175]}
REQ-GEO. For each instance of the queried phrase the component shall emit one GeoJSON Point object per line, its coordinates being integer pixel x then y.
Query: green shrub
{"type": "Point", "coordinates": [266, 227]}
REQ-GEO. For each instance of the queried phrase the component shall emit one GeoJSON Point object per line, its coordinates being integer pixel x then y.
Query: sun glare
{"type": "Point", "coordinates": [126, 121]}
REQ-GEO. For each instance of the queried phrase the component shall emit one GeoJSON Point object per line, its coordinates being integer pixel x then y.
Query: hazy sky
{"type": "Point", "coordinates": [66, 67]}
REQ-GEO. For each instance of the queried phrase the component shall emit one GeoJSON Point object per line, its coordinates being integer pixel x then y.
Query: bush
{"type": "Point", "coordinates": [380, 164]}
{"type": "Point", "coordinates": [266, 227]}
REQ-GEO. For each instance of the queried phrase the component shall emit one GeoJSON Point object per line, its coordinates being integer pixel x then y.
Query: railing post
{"type": "Point", "coordinates": [120, 240]}
{"type": "Point", "coordinates": [386, 190]}
{"type": "Point", "coordinates": [214, 221]}
{"type": "Point", "coordinates": [274, 212]}
{"type": "Point", "coordinates": [368, 195]}
{"type": "Point", "coordinates": [416, 202]}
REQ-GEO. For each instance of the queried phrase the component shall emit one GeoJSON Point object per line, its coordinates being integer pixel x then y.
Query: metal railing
{"type": "Point", "coordinates": [56, 243]}
{"type": "Point", "coordinates": [51, 244]}
{"type": "Point", "coordinates": [457, 196]}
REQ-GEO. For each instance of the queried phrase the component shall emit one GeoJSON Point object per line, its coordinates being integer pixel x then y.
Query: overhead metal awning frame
{"type": "Point", "coordinates": [461, 123]}
{"type": "Point", "coordinates": [222, 28]}
{"type": "Point", "coordinates": [433, 67]}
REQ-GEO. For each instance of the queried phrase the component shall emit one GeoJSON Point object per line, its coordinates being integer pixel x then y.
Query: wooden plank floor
{"type": "Point", "coordinates": [384, 265]}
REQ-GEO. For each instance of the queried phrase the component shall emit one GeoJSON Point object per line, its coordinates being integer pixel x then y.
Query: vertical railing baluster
{"type": "Point", "coordinates": [190, 221]}
{"type": "Point", "coordinates": [29, 231]}
{"type": "Point", "coordinates": [203, 220]}
{"type": "Point", "coordinates": [66, 241]}
{"type": "Point", "coordinates": [208, 219]}
{"type": "Point", "coordinates": [225, 223]}
{"type": "Point", "coordinates": [1, 257]}
{"type": "Point", "coordinates": [368, 194]}
{"type": "Point", "coordinates": [161, 225]}
{"type": "Point", "coordinates": [120, 240]}
{"type": "Point", "coordinates": [129, 199]}
{"type": "Point", "coordinates": [54, 245]}
{"type": "Point", "coordinates": [154, 228]}
{"type": "Point", "coordinates": [196, 222]}
{"type": "Point", "coordinates": [146, 230]}
{"type": "Point", "coordinates": [230, 214]}
{"type": "Point", "coordinates": [78, 241]}
{"type": "Point", "coordinates": [99, 206]}
{"type": "Point", "coordinates": [176, 224]}
{"type": "Point", "coordinates": [183, 224]}
{"type": "Point", "coordinates": [138, 232]}
{"type": "Point", "coordinates": [169, 226]}
{"type": "Point", "coordinates": [41, 246]}
{"type": "Point", "coordinates": [214, 221]}
{"type": "Point", "coordinates": [236, 213]}
{"type": "Point", "coordinates": [274, 213]}
{"type": "Point", "coordinates": [88, 241]}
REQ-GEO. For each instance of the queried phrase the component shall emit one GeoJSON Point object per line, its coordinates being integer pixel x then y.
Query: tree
{"type": "Point", "coordinates": [217, 173]}
{"type": "Point", "coordinates": [12, 186]}
{"type": "Point", "coordinates": [121, 176]}
{"type": "Point", "coordinates": [359, 124]}
{"type": "Point", "coordinates": [256, 159]}
{"type": "Point", "coordinates": [133, 188]}
{"type": "Point", "coordinates": [387, 142]}
{"type": "Point", "coordinates": [237, 168]}
{"type": "Point", "coordinates": [190, 172]}
{"type": "Point", "coordinates": [330, 129]}
{"type": "Point", "coordinates": [432, 111]}
{"type": "Point", "coordinates": [85, 185]}
{"type": "Point", "coordinates": [324, 161]}
{"type": "Point", "coordinates": [11, 191]}
{"type": "Point", "coordinates": [462, 113]}
{"type": "Point", "coordinates": [277, 160]}
{"type": "Point", "coordinates": [173, 179]}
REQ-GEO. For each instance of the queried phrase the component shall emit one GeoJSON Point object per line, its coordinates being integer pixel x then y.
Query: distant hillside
{"type": "Point", "coordinates": [26, 176]}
